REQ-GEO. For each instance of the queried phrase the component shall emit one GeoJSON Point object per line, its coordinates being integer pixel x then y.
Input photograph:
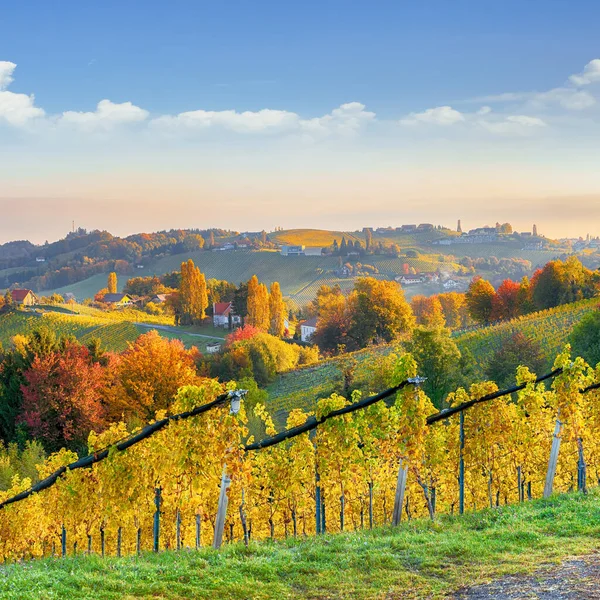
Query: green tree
{"type": "Point", "coordinates": [438, 359]}
{"type": "Point", "coordinates": [585, 338]}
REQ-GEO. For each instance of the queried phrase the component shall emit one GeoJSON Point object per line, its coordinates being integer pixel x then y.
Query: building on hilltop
{"type": "Point", "coordinates": [23, 297]}
{"type": "Point", "coordinates": [117, 299]}
{"type": "Point", "coordinates": [458, 227]}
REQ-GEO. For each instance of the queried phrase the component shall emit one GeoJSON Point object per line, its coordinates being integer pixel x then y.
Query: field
{"type": "Point", "coordinates": [415, 560]}
{"type": "Point", "coordinates": [550, 328]}
{"type": "Point", "coordinates": [115, 329]}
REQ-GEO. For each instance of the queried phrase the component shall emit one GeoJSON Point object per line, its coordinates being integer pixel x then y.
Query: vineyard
{"type": "Point", "coordinates": [344, 476]}
{"type": "Point", "coordinates": [550, 328]}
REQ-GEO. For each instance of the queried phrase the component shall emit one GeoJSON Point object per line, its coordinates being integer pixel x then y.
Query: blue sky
{"type": "Point", "coordinates": [495, 93]}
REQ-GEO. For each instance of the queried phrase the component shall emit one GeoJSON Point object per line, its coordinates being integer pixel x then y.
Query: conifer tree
{"type": "Point", "coordinates": [193, 294]}
{"type": "Point", "coordinates": [112, 283]}
{"type": "Point", "coordinates": [277, 311]}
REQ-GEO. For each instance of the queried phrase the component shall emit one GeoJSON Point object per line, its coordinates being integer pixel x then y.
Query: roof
{"type": "Point", "coordinates": [222, 308]}
{"type": "Point", "coordinates": [310, 323]}
{"type": "Point", "coordinates": [19, 295]}
{"type": "Point", "coordinates": [114, 298]}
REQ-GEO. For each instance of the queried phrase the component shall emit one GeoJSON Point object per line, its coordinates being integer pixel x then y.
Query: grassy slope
{"type": "Point", "coordinates": [416, 560]}
{"type": "Point", "coordinates": [549, 328]}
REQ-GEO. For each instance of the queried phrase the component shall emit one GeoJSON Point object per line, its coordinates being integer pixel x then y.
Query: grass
{"type": "Point", "coordinates": [419, 559]}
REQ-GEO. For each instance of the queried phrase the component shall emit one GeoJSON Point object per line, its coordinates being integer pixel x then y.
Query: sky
{"type": "Point", "coordinates": [139, 116]}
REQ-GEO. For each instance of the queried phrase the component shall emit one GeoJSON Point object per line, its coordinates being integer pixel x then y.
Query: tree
{"type": "Point", "coordinates": [193, 296]}
{"type": "Point", "coordinates": [438, 359]}
{"type": "Point", "coordinates": [240, 301]}
{"type": "Point", "coordinates": [585, 338]}
{"type": "Point", "coordinates": [428, 311]}
{"type": "Point", "coordinates": [258, 304]}
{"type": "Point", "coordinates": [378, 312]}
{"type": "Point", "coordinates": [62, 398]}
{"type": "Point", "coordinates": [505, 303]}
{"type": "Point", "coordinates": [515, 351]}
{"type": "Point", "coordinates": [455, 309]}
{"type": "Point", "coordinates": [333, 321]}
{"type": "Point", "coordinates": [480, 299]}
{"type": "Point", "coordinates": [112, 283]}
{"type": "Point", "coordinates": [148, 375]}
{"type": "Point", "coordinates": [277, 311]}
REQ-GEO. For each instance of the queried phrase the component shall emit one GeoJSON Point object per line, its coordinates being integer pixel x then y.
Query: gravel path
{"type": "Point", "coordinates": [577, 578]}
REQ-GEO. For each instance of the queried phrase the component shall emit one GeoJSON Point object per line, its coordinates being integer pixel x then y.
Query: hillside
{"type": "Point", "coordinates": [415, 560]}
{"type": "Point", "coordinates": [115, 329]}
{"type": "Point", "coordinates": [551, 328]}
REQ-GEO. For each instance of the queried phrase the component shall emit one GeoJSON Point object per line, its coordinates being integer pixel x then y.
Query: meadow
{"type": "Point", "coordinates": [417, 559]}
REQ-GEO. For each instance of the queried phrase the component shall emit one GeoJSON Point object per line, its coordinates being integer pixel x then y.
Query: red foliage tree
{"type": "Point", "coordinates": [62, 397]}
{"type": "Point", "coordinates": [246, 332]}
{"type": "Point", "coordinates": [506, 302]}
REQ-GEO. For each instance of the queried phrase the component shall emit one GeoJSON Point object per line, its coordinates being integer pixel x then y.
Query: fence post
{"type": "Point", "coordinates": [221, 510]}
{"type": "Point", "coordinates": [63, 541]}
{"type": "Point", "coordinates": [553, 459]}
{"type": "Point", "coordinates": [198, 540]}
{"type": "Point", "coordinates": [461, 465]}
{"type": "Point", "coordinates": [370, 505]}
{"type": "Point", "coordinates": [519, 483]}
{"type": "Point", "coordinates": [323, 522]}
{"type": "Point", "coordinates": [89, 543]}
{"type": "Point", "coordinates": [119, 540]}
{"type": "Point", "coordinates": [400, 490]}
{"type": "Point", "coordinates": [102, 540]}
{"type": "Point", "coordinates": [138, 541]}
{"type": "Point", "coordinates": [317, 504]}
{"type": "Point", "coordinates": [243, 517]}
{"type": "Point", "coordinates": [581, 469]}
{"type": "Point", "coordinates": [178, 529]}
{"type": "Point", "coordinates": [342, 506]}
{"type": "Point", "coordinates": [156, 531]}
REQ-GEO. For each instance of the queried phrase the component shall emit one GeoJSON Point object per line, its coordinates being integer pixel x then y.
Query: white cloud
{"type": "Point", "coordinates": [568, 98]}
{"type": "Point", "coordinates": [240, 122]}
{"type": "Point", "coordinates": [484, 110]}
{"type": "Point", "coordinates": [106, 116]}
{"type": "Point", "coordinates": [442, 115]}
{"type": "Point", "coordinates": [590, 74]}
{"type": "Point", "coordinates": [15, 109]}
{"type": "Point", "coordinates": [6, 70]}
{"type": "Point", "coordinates": [347, 119]}
{"type": "Point", "coordinates": [512, 125]}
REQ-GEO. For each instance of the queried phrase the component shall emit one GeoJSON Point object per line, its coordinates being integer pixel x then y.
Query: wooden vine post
{"type": "Point", "coordinates": [221, 510]}
{"type": "Point", "coordinates": [461, 465]}
{"type": "Point", "coordinates": [400, 491]}
{"type": "Point", "coordinates": [553, 459]}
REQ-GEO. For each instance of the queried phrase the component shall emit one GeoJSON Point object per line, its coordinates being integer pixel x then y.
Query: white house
{"type": "Point", "coordinates": [213, 347]}
{"type": "Point", "coordinates": [450, 284]}
{"type": "Point", "coordinates": [292, 250]}
{"type": "Point", "coordinates": [221, 313]}
{"type": "Point", "coordinates": [409, 280]}
{"type": "Point", "coordinates": [307, 329]}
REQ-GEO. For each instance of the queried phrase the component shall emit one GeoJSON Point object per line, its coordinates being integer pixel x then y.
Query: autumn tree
{"type": "Point", "coordinates": [480, 299]}
{"type": "Point", "coordinates": [378, 312]}
{"type": "Point", "coordinates": [147, 376]}
{"type": "Point", "coordinates": [112, 283]}
{"type": "Point", "coordinates": [454, 305]}
{"type": "Point", "coordinates": [258, 304]}
{"type": "Point", "coordinates": [62, 397]}
{"type": "Point", "coordinates": [193, 295]}
{"type": "Point", "coordinates": [277, 311]}
{"type": "Point", "coordinates": [428, 311]}
{"type": "Point", "coordinates": [505, 303]}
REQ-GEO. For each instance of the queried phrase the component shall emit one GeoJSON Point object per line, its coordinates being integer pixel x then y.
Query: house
{"type": "Point", "coordinates": [408, 228]}
{"type": "Point", "coordinates": [307, 329]}
{"type": "Point", "coordinates": [292, 250]}
{"type": "Point", "coordinates": [40, 259]}
{"type": "Point", "coordinates": [222, 311]}
{"type": "Point", "coordinates": [23, 297]}
{"type": "Point", "coordinates": [117, 299]}
{"type": "Point", "coordinates": [159, 298]}
{"type": "Point", "coordinates": [213, 347]}
{"type": "Point", "coordinates": [70, 297]}
{"type": "Point", "coordinates": [409, 280]}
{"type": "Point", "coordinates": [450, 284]}
{"type": "Point", "coordinates": [425, 227]}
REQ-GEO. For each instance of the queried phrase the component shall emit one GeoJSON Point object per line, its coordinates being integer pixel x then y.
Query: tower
{"type": "Point", "coordinates": [535, 231]}
{"type": "Point", "coordinates": [459, 228]}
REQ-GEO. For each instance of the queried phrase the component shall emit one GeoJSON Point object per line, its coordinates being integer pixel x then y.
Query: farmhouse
{"type": "Point", "coordinates": [159, 298]}
{"type": "Point", "coordinates": [117, 299]}
{"type": "Point", "coordinates": [213, 347]}
{"type": "Point", "coordinates": [409, 280]}
{"type": "Point", "coordinates": [292, 250]}
{"type": "Point", "coordinates": [222, 311]}
{"type": "Point", "coordinates": [24, 297]}
{"type": "Point", "coordinates": [307, 329]}
{"type": "Point", "coordinates": [451, 284]}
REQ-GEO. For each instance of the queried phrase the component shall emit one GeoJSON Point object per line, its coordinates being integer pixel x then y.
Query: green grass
{"type": "Point", "coordinates": [419, 559]}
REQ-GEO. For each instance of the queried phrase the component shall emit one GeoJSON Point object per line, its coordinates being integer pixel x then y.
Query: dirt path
{"type": "Point", "coordinates": [576, 578]}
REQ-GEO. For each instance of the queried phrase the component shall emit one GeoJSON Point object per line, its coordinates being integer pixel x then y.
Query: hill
{"type": "Point", "coordinates": [550, 327]}
{"type": "Point", "coordinates": [419, 559]}
{"type": "Point", "coordinates": [114, 329]}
